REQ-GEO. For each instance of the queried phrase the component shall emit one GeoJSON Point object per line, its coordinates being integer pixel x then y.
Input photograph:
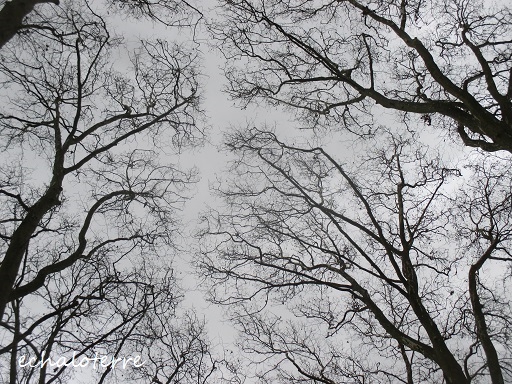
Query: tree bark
{"type": "Point", "coordinates": [21, 238]}
{"type": "Point", "coordinates": [12, 15]}
{"type": "Point", "coordinates": [481, 326]}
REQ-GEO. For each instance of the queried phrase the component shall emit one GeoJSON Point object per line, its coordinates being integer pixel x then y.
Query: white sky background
{"type": "Point", "coordinates": [221, 115]}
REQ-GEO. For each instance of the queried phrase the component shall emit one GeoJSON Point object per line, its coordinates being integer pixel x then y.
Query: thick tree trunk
{"type": "Point", "coordinates": [438, 352]}
{"type": "Point", "coordinates": [21, 238]}
{"type": "Point", "coordinates": [12, 15]}
{"type": "Point", "coordinates": [493, 361]}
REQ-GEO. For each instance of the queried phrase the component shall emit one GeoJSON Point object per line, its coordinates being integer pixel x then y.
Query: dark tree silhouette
{"type": "Point", "coordinates": [12, 16]}
{"type": "Point", "coordinates": [394, 254]}
{"type": "Point", "coordinates": [448, 62]}
{"type": "Point", "coordinates": [88, 209]}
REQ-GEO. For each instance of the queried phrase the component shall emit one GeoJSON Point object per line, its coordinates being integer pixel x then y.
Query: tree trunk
{"type": "Point", "coordinates": [20, 240]}
{"type": "Point", "coordinates": [493, 361]}
{"type": "Point", "coordinates": [12, 15]}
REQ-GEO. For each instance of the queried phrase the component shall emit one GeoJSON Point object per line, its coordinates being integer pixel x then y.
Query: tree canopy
{"type": "Point", "coordinates": [446, 62]}
{"type": "Point", "coordinates": [356, 251]}
{"type": "Point", "coordinates": [395, 252]}
{"type": "Point", "coordinates": [363, 254]}
{"type": "Point", "coordinates": [89, 208]}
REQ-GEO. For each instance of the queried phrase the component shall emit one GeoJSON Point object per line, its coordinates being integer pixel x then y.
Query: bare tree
{"type": "Point", "coordinates": [88, 209]}
{"type": "Point", "coordinates": [446, 62]}
{"type": "Point", "coordinates": [393, 255]}
{"type": "Point", "coordinates": [63, 84]}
